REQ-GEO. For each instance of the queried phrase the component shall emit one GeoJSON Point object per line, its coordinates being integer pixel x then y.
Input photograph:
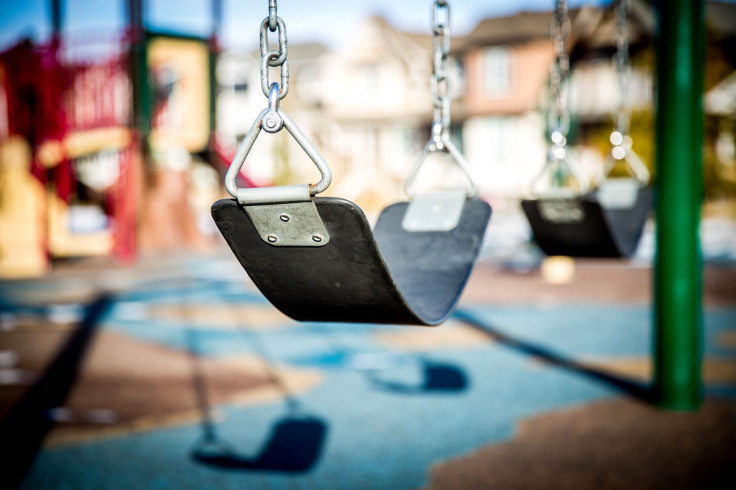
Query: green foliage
{"type": "Point", "coordinates": [719, 177]}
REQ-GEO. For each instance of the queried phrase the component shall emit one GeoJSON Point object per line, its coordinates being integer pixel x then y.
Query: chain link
{"type": "Point", "coordinates": [622, 143]}
{"type": "Point", "coordinates": [272, 16]}
{"type": "Point", "coordinates": [281, 28]}
{"type": "Point", "coordinates": [623, 68]}
{"type": "Point", "coordinates": [266, 82]}
{"type": "Point", "coordinates": [439, 82]}
{"type": "Point", "coordinates": [274, 58]}
{"type": "Point", "coordinates": [558, 116]}
{"type": "Point", "coordinates": [560, 165]}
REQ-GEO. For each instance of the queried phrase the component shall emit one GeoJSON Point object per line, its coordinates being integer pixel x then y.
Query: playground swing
{"type": "Point", "coordinates": [316, 259]}
{"type": "Point", "coordinates": [576, 220]}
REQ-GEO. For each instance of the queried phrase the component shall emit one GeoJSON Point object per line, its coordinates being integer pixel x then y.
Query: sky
{"type": "Point", "coordinates": [327, 21]}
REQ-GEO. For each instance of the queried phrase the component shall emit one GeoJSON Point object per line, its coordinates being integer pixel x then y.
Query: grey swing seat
{"type": "Point", "coordinates": [605, 222]}
{"type": "Point", "coordinates": [573, 221]}
{"type": "Point", "coordinates": [389, 275]}
{"type": "Point", "coordinates": [317, 259]}
{"type": "Point", "coordinates": [583, 226]}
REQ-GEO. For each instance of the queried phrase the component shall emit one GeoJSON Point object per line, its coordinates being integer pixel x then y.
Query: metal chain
{"type": "Point", "coordinates": [622, 143]}
{"type": "Point", "coordinates": [440, 141]}
{"type": "Point", "coordinates": [274, 58]}
{"type": "Point", "coordinates": [439, 82]}
{"type": "Point", "coordinates": [559, 164]}
{"type": "Point", "coordinates": [623, 72]}
{"type": "Point", "coordinates": [559, 119]}
{"type": "Point", "coordinates": [272, 15]}
{"type": "Point", "coordinates": [272, 120]}
{"type": "Point", "coordinates": [623, 68]}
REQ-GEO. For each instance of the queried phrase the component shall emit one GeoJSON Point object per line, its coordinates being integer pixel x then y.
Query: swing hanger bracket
{"type": "Point", "coordinates": [272, 122]}
{"type": "Point", "coordinates": [439, 140]}
{"type": "Point", "coordinates": [282, 215]}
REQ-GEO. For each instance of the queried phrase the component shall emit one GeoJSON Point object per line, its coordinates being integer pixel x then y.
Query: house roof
{"type": "Point", "coordinates": [421, 39]}
{"type": "Point", "coordinates": [593, 29]}
{"type": "Point", "coordinates": [641, 22]}
{"type": "Point", "coordinates": [721, 18]}
{"type": "Point", "coordinates": [525, 26]}
{"type": "Point", "coordinates": [520, 27]}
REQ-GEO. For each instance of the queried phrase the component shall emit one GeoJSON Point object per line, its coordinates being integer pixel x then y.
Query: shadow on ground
{"type": "Point", "coordinates": [638, 390]}
{"type": "Point", "coordinates": [437, 377]}
{"type": "Point", "coordinates": [294, 444]}
{"type": "Point", "coordinates": [24, 429]}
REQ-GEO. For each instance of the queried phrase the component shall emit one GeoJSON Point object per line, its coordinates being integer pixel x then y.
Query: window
{"type": "Point", "coordinates": [497, 64]}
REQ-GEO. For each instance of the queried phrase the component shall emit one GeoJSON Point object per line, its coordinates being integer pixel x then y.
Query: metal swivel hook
{"type": "Point", "coordinates": [272, 121]}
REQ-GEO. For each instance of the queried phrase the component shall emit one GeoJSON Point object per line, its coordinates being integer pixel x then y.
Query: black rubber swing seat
{"type": "Point", "coordinates": [388, 275]}
{"type": "Point", "coordinates": [583, 227]}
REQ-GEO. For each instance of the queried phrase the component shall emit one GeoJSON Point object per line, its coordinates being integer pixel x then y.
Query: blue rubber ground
{"type": "Point", "coordinates": [381, 418]}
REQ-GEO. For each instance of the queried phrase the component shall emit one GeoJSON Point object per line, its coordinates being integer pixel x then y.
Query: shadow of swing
{"type": "Point", "coordinates": [380, 367]}
{"type": "Point", "coordinates": [636, 389]}
{"type": "Point", "coordinates": [294, 444]}
{"type": "Point", "coordinates": [26, 425]}
{"type": "Point", "coordinates": [437, 377]}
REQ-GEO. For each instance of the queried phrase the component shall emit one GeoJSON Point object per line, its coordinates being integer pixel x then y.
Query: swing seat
{"type": "Point", "coordinates": [587, 225]}
{"type": "Point", "coordinates": [390, 275]}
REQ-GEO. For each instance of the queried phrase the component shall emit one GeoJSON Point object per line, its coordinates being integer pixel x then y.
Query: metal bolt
{"type": "Point", "coordinates": [284, 217]}
{"type": "Point", "coordinates": [271, 238]}
{"type": "Point", "coordinates": [317, 238]}
{"type": "Point", "coordinates": [270, 123]}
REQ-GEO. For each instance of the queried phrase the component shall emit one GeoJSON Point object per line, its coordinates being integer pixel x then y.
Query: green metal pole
{"type": "Point", "coordinates": [678, 308]}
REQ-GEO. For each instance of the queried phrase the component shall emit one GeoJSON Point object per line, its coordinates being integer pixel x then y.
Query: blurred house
{"type": "Point", "coordinates": [376, 91]}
